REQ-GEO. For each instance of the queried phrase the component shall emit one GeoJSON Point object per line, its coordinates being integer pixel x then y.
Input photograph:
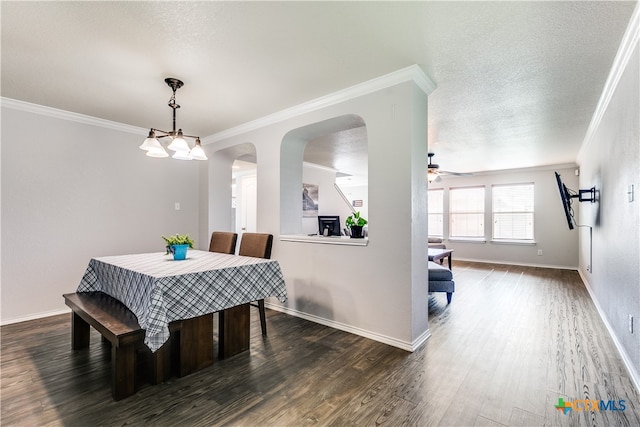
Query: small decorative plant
{"type": "Point", "coordinates": [178, 240]}
{"type": "Point", "coordinates": [355, 223]}
{"type": "Point", "coordinates": [355, 220]}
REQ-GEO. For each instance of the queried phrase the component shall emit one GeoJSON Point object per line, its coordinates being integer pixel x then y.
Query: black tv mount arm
{"type": "Point", "coordinates": [585, 195]}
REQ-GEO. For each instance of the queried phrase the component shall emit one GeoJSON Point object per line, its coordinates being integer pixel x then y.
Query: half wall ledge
{"type": "Point", "coordinates": [337, 240]}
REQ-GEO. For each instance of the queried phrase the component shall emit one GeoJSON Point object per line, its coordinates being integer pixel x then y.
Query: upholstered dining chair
{"type": "Point", "coordinates": [257, 245]}
{"type": "Point", "coordinates": [223, 242]}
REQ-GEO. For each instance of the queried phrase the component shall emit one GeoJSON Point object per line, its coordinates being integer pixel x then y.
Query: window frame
{"type": "Point", "coordinates": [482, 214]}
{"type": "Point", "coordinates": [513, 239]}
{"type": "Point", "coordinates": [440, 213]}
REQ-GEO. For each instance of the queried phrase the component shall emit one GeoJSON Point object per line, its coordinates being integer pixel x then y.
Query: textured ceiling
{"type": "Point", "coordinates": [517, 81]}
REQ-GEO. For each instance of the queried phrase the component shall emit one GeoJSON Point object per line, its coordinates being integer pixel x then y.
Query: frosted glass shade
{"type": "Point", "coordinates": [179, 144]}
{"type": "Point", "coordinates": [151, 143]}
{"type": "Point", "coordinates": [432, 176]}
{"type": "Point", "coordinates": [157, 152]}
{"type": "Point", "coordinates": [197, 152]}
{"type": "Point", "coordinates": [182, 155]}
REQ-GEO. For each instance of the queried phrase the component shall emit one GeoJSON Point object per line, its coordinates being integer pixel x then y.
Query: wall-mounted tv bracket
{"type": "Point", "coordinates": [590, 195]}
{"type": "Point", "coordinates": [586, 195]}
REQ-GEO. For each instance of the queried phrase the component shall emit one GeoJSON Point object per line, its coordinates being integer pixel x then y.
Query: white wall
{"type": "Point", "coordinates": [610, 160]}
{"type": "Point", "coordinates": [72, 190]}
{"type": "Point", "coordinates": [357, 192]}
{"type": "Point", "coordinates": [559, 245]}
{"type": "Point", "coordinates": [378, 290]}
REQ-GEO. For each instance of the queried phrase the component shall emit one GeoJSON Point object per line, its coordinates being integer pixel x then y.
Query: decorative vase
{"type": "Point", "coordinates": [357, 232]}
{"type": "Point", "coordinates": [179, 252]}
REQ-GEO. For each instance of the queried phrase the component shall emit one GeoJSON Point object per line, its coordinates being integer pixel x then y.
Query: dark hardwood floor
{"type": "Point", "coordinates": [513, 341]}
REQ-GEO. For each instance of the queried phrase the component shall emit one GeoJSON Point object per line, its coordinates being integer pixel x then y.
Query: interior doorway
{"type": "Point", "coordinates": [248, 207]}
{"type": "Point", "coordinates": [245, 196]}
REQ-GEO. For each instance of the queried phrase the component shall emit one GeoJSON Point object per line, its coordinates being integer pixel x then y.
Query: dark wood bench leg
{"type": "Point", "coordinates": [123, 372]}
{"type": "Point", "coordinates": [233, 335]}
{"type": "Point", "coordinates": [79, 332]}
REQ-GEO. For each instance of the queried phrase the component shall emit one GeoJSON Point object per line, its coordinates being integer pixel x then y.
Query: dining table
{"type": "Point", "coordinates": [171, 297]}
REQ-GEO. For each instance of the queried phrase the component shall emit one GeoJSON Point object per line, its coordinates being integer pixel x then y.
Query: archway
{"type": "Point", "coordinates": [223, 208]}
{"type": "Point", "coordinates": [322, 154]}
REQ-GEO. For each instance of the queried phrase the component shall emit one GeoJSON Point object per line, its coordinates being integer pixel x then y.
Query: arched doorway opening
{"type": "Point", "coordinates": [317, 157]}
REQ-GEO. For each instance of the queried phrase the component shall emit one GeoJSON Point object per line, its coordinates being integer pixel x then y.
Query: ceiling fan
{"type": "Point", "coordinates": [434, 172]}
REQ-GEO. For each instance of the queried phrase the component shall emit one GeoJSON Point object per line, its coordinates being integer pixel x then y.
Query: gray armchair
{"type": "Point", "coordinates": [441, 280]}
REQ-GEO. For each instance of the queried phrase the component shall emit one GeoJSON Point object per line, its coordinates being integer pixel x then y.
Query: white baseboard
{"type": "Point", "coordinates": [521, 264]}
{"type": "Point", "coordinates": [34, 316]}
{"type": "Point", "coordinates": [633, 373]}
{"type": "Point", "coordinates": [404, 345]}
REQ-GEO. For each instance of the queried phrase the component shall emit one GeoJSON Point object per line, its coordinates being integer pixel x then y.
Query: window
{"type": "Point", "coordinates": [512, 212]}
{"type": "Point", "coordinates": [435, 207]}
{"type": "Point", "coordinates": [466, 210]}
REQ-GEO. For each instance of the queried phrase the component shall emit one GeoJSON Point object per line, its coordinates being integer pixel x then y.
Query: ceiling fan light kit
{"type": "Point", "coordinates": [178, 142]}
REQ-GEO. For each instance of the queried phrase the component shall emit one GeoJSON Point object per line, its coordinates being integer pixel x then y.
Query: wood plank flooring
{"type": "Point", "coordinates": [513, 341]}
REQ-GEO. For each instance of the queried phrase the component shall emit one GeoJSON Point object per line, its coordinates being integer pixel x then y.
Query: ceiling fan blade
{"type": "Point", "coordinates": [455, 173]}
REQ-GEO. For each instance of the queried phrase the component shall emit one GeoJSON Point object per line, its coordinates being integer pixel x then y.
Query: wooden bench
{"type": "Point", "coordinates": [118, 325]}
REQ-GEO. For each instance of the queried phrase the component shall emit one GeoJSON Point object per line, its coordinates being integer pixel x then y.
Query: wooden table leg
{"type": "Point", "coordinates": [195, 344]}
{"type": "Point", "coordinates": [233, 336]}
{"type": "Point", "coordinates": [161, 367]}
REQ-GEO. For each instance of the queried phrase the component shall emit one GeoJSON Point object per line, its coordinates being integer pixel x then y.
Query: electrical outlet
{"type": "Point", "coordinates": [539, 252]}
{"type": "Point", "coordinates": [630, 324]}
{"type": "Point", "coordinates": [177, 206]}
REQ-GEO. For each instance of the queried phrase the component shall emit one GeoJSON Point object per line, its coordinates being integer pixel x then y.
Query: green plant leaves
{"type": "Point", "coordinates": [356, 220]}
{"type": "Point", "coordinates": [179, 240]}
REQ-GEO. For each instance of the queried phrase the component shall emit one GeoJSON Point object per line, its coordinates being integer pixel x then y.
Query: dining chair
{"type": "Point", "coordinates": [223, 242]}
{"type": "Point", "coordinates": [257, 245]}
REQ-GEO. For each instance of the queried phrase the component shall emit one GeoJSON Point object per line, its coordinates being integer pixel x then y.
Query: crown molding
{"type": "Point", "coordinates": [412, 73]}
{"type": "Point", "coordinates": [627, 46]}
{"type": "Point", "coordinates": [43, 110]}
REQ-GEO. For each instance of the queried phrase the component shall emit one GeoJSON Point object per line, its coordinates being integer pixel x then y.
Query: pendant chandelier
{"type": "Point", "coordinates": [178, 143]}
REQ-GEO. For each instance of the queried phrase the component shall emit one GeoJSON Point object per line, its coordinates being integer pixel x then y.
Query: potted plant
{"type": "Point", "coordinates": [356, 223]}
{"type": "Point", "coordinates": [178, 245]}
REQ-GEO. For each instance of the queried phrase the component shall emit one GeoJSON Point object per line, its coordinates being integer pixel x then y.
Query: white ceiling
{"type": "Point", "coordinates": [517, 81]}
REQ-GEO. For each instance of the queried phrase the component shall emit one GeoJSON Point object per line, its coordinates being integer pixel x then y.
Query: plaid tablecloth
{"type": "Point", "coordinates": [159, 290]}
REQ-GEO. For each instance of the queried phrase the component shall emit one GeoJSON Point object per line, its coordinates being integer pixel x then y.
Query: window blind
{"type": "Point", "coordinates": [513, 210]}
{"type": "Point", "coordinates": [466, 212]}
{"type": "Point", "coordinates": [435, 211]}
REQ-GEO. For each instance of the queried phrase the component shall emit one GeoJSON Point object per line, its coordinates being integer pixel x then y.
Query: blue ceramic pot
{"type": "Point", "coordinates": [179, 252]}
